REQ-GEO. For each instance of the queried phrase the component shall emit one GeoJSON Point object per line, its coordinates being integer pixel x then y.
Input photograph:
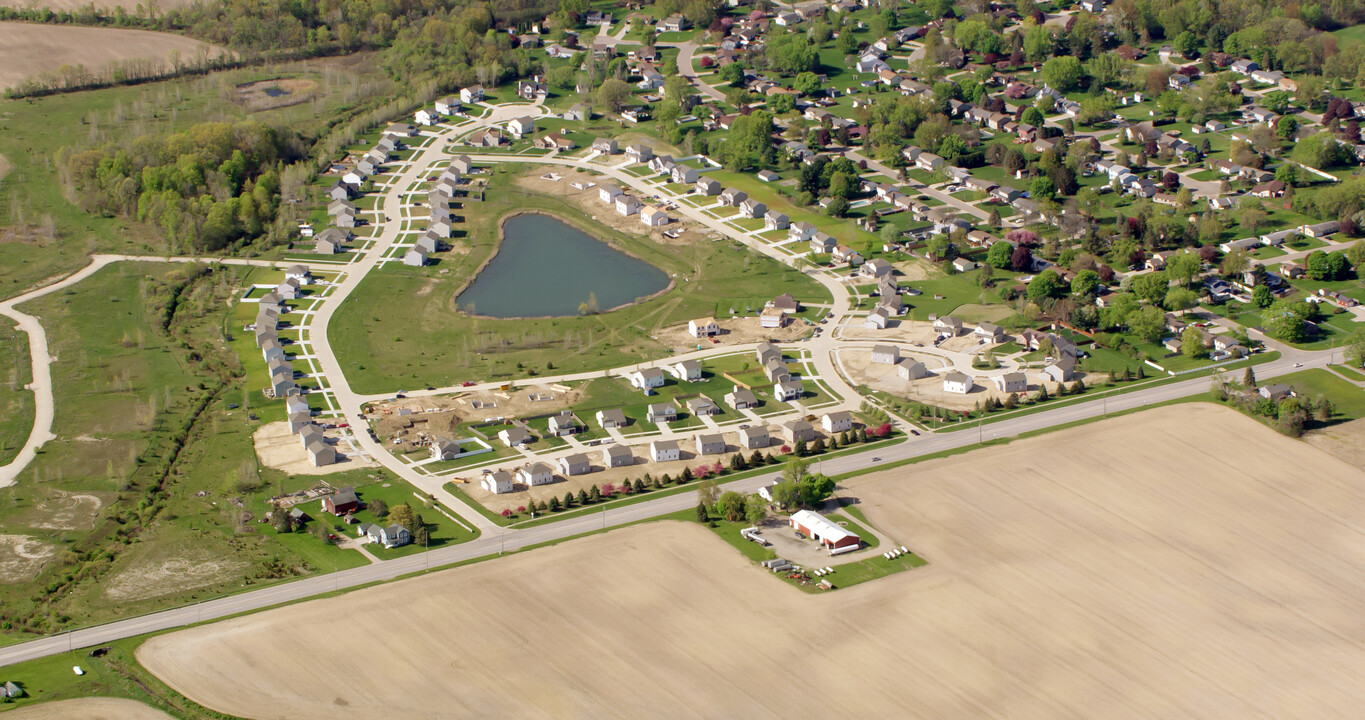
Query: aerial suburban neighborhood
{"type": "Point", "coordinates": [1042, 322]}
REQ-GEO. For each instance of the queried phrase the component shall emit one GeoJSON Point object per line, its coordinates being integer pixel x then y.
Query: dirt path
{"type": "Point", "coordinates": [1129, 568]}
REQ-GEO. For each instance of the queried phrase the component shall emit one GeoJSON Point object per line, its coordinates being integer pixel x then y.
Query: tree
{"type": "Point", "coordinates": [815, 489]}
{"type": "Point", "coordinates": [806, 83]}
{"type": "Point", "coordinates": [702, 515]}
{"type": "Point", "coordinates": [707, 493]}
{"type": "Point", "coordinates": [1288, 321]}
{"type": "Point", "coordinates": [1033, 116]}
{"type": "Point", "coordinates": [1179, 298]}
{"type": "Point", "coordinates": [795, 469]}
{"type": "Point", "coordinates": [731, 506]}
{"type": "Point", "coordinates": [1151, 287]}
{"type": "Point", "coordinates": [378, 508]}
{"type": "Point", "coordinates": [1046, 284]}
{"type": "Point", "coordinates": [1085, 283]}
{"type": "Point", "coordinates": [1192, 343]}
{"type": "Point", "coordinates": [1147, 323]}
{"type": "Point", "coordinates": [837, 207]}
{"type": "Point", "coordinates": [1063, 72]}
{"type": "Point", "coordinates": [613, 93]}
{"type": "Point", "coordinates": [403, 515]}
{"type": "Point", "coordinates": [1234, 263]}
{"type": "Point", "coordinates": [1355, 349]}
{"type": "Point", "coordinates": [1186, 44]}
{"type": "Point", "coordinates": [1184, 267]}
{"type": "Point", "coordinates": [1356, 255]}
{"type": "Point", "coordinates": [1042, 188]}
{"type": "Point", "coordinates": [786, 494]}
{"type": "Point", "coordinates": [984, 275]}
{"type": "Point", "coordinates": [1320, 150]}
{"type": "Point", "coordinates": [1249, 379]}
{"type": "Point", "coordinates": [999, 254]}
{"type": "Point", "coordinates": [1262, 297]}
{"type": "Point", "coordinates": [755, 510]}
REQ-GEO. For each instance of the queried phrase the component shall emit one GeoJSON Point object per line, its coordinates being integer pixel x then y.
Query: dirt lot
{"type": "Point", "coordinates": [1345, 442]}
{"type": "Point", "coordinates": [599, 211]}
{"type": "Point", "coordinates": [1053, 590]}
{"type": "Point", "coordinates": [30, 49]}
{"type": "Point", "coordinates": [861, 371]}
{"type": "Point", "coordinates": [280, 449]}
{"type": "Point", "coordinates": [22, 556]}
{"type": "Point", "coordinates": [734, 331]}
{"type": "Point", "coordinates": [441, 415]}
{"type": "Point", "coordinates": [88, 709]}
{"type": "Point", "coordinates": [160, 571]}
{"type": "Point", "coordinates": [61, 510]}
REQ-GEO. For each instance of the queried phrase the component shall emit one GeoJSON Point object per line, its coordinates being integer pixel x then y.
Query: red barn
{"type": "Point", "coordinates": [341, 502]}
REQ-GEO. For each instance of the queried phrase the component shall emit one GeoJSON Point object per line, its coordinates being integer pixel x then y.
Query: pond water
{"type": "Point", "coordinates": [276, 91]}
{"type": "Point", "coordinates": [546, 267]}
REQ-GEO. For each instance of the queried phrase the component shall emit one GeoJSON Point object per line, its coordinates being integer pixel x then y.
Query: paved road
{"type": "Point", "coordinates": [492, 543]}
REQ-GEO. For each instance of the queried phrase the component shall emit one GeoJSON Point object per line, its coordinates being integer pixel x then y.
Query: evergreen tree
{"type": "Point", "coordinates": [702, 515]}
{"type": "Point", "coordinates": [639, 486]}
{"type": "Point", "coordinates": [833, 443]}
{"type": "Point", "coordinates": [800, 449]}
{"type": "Point", "coordinates": [756, 459]}
{"type": "Point", "coordinates": [1249, 379]}
{"type": "Point", "coordinates": [594, 495]}
{"type": "Point", "coordinates": [568, 499]}
{"type": "Point", "coordinates": [582, 497]}
{"type": "Point", "coordinates": [554, 504]}
{"type": "Point", "coordinates": [818, 446]}
{"type": "Point", "coordinates": [687, 475]}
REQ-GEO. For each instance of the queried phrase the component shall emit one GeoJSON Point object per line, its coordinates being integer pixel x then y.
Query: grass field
{"type": "Point", "coordinates": [1039, 579]}
{"type": "Point", "coordinates": [16, 403]}
{"type": "Point", "coordinates": [400, 328]}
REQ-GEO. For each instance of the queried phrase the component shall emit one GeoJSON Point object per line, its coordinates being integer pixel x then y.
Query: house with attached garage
{"type": "Point", "coordinates": [703, 327]}
{"type": "Point", "coordinates": [608, 193]}
{"type": "Point", "coordinates": [427, 116]}
{"type": "Point", "coordinates": [741, 398]}
{"type": "Point", "coordinates": [617, 456]}
{"type": "Point", "coordinates": [689, 370]}
{"type": "Point", "coordinates": [767, 352]}
{"type": "Point", "coordinates": [754, 437]}
{"type": "Point", "coordinates": [846, 254]}
{"type": "Point", "coordinates": [471, 94]}
{"type": "Point", "coordinates": [708, 186]}
{"type": "Point", "coordinates": [822, 244]}
{"type": "Point", "coordinates": [776, 370]}
{"type": "Point", "coordinates": [653, 217]}
{"type": "Point", "coordinates": [788, 390]}
{"type": "Point", "coordinates": [497, 482]}
{"type": "Point", "coordinates": [576, 464]}
{"type": "Point", "coordinates": [948, 325]}
{"type": "Point", "coordinates": [448, 105]}
{"type": "Point", "coordinates": [537, 473]}
{"type": "Point", "coordinates": [989, 332]}
{"type": "Point", "coordinates": [957, 383]}
{"type": "Point", "coordinates": [664, 451]}
{"type": "Point", "coordinates": [513, 436]}
{"type": "Point", "coordinates": [1062, 370]}
{"type": "Point", "coordinates": [752, 208]}
{"type": "Point", "coordinates": [684, 174]}
{"type": "Point", "coordinates": [606, 146]}
{"type": "Point", "coordinates": [563, 423]}
{"type": "Point", "coordinates": [444, 449]}
{"type": "Point", "coordinates": [803, 230]}
{"type": "Point", "coordinates": [640, 152]}
{"type": "Point", "coordinates": [771, 317]}
{"type": "Point", "coordinates": [732, 197]}
{"type": "Point", "coordinates": [702, 406]}
{"type": "Point", "coordinates": [522, 126]}
{"type": "Point", "coordinates": [416, 257]}
{"type": "Point", "coordinates": [710, 444]}
{"type": "Point", "coordinates": [875, 269]}
{"type": "Point", "coordinates": [627, 205]}
{"type": "Point", "coordinates": [774, 220]}
{"type": "Point", "coordinates": [885, 354]}
{"type": "Point", "coordinates": [613, 418]}
{"type": "Point", "coordinates": [837, 421]}
{"type": "Point", "coordinates": [662, 412]}
{"type": "Point", "coordinates": [647, 378]}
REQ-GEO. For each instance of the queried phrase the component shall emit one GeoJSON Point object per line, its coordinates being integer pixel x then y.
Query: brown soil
{"type": "Point", "coordinates": [1345, 442]}
{"type": "Point", "coordinates": [734, 331]}
{"type": "Point", "coordinates": [29, 49]}
{"type": "Point", "coordinates": [441, 415]}
{"type": "Point", "coordinates": [88, 709]}
{"type": "Point", "coordinates": [280, 449]}
{"type": "Point", "coordinates": [1103, 581]}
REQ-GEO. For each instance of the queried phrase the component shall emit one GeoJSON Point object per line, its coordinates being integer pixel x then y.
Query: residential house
{"type": "Point", "coordinates": [708, 186]}
{"type": "Point", "coordinates": [497, 482]}
{"type": "Point", "coordinates": [444, 449]}
{"type": "Point", "coordinates": [703, 327]}
{"type": "Point", "coordinates": [647, 378]}
{"type": "Point", "coordinates": [836, 422]}
{"type": "Point", "coordinates": [754, 437]}
{"type": "Point", "coordinates": [1011, 382]}
{"type": "Point", "coordinates": [875, 269]}
{"type": "Point", "coordinates": [617, 456]}
{"type": "Point", "coordinates": [662, 412]}
{"type": "Point", "coordinates": [885, 354]}
{"type": "Point", "coordinates": [989, 332]}
{"type": "Point", "coordinates": [794, 431]}
{"type": "Point", "coordinates": [664, 451]}
{"type": "Point", "coordinates": [415, 257]}
{"type": "Point", "coordinates": [341, 502]}
{"type": "Point", "coordinates": [710, 444]}
{"type": "Point", "coordinates": [774, 220]}
{"type": "Point", "coordinates": [514, 436]}
{"type": "Point", "coordinates": [908, 369]}
{"type": "Point", "coordinates": [537, 473]}
{"type": "Point", "coordinates": [788, 390]}
{"type": "Point", "coordinates": [471, 94]}
{"type": "Point", "coordinates": [948, 326]}
{"type": "Point", "coordinates": [522, 126]}
{"type": "Point", "coordinates": [613, 418]}
{"type": "Point", "coordinates": [741, 398]}
{"type": "Point", "coordinates": [653, 217]}
{"type": "Point", "coordinates": [957, 383]}
{"type": "Point", "coordinates": [820, 243]}
{"type": "Point", "coordinates": [576, 464]}
{"type": "Point", "coordinates": [752, 208]}
{"type": "Point", "coordinates": [627, 205]}
{"type": "Point", "coordinates": [687, 370]}
{"type": "Point", "coordinates": [563, 423]}
{"type": "Point", "coordinates": [877, 319]}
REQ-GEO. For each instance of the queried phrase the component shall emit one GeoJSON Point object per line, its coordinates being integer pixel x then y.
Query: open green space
{"type": "Point", "coordinates": [400, 327]}
{"type": "Point", "coordinates": [16, 403]}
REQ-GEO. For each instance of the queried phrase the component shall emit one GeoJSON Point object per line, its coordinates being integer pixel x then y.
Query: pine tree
{"type": "Point", "coordinates": [756, 459]}
{"type": "Point", "coordinates": [687, 475]}
{"type": "Point", "coordinates": [554, 504]}
{"type": "Point", "coordinates": [818, 446]}
{"type": "Point", "coordinates": [582, 497]}
{"type": "Point", "coordinates": [1249, 379]}
{"type": "Point", "coordinates": [800, 449]}
{"type": "Point", "coordinates": [639, 485]}
{"type": "Point", "coordinates": [702, 515]}
{"type": "Point", "coordinates": [568, 499]}
{"type": "Point", "coordinates": [833, 444]}
{"type": "Point", "coordinates": [594, 495]}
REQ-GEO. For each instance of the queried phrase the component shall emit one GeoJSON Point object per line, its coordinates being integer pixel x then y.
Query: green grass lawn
{"type": "Point", "coordinates": [1352, 373]}
{"type": "Point", "coordinates": [1348, 400]}
{"type": "Point", "coordinates": [16, 403]}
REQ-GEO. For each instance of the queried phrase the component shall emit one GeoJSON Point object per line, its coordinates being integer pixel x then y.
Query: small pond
{"type": "Point", "coordinates": [546, 267]}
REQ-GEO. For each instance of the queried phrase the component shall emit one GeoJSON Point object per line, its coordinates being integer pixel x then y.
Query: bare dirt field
{"type": "Point", "coordinates": [1111, 583]}
{"type": "Point", "coordinates": [280, 449]}
{"type": "Point", "coordinates": [28, 49]}
{"type": "Point", "coordinates": [22, 556]}
{"type": "Point", "coordinates": [163, 571]}
{"type": "Point", "coordinates": [88, 709]}
{"type": "Point", "coordinates": [734, 331]}
{"type": "Point", "coordinates": [61, 510]}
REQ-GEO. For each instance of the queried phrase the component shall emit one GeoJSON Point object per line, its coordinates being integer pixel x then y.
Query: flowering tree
{"type": "Point", "coordinates": [507, 513]}
{"type": "Point", "coordinates": [608, 489]}
{"type": "Point", "coordinates": [882, 430]}
{"type": "Point", "coordinates": [786, 449]}
{"type": "Point", "coordinates": [701, 471]}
